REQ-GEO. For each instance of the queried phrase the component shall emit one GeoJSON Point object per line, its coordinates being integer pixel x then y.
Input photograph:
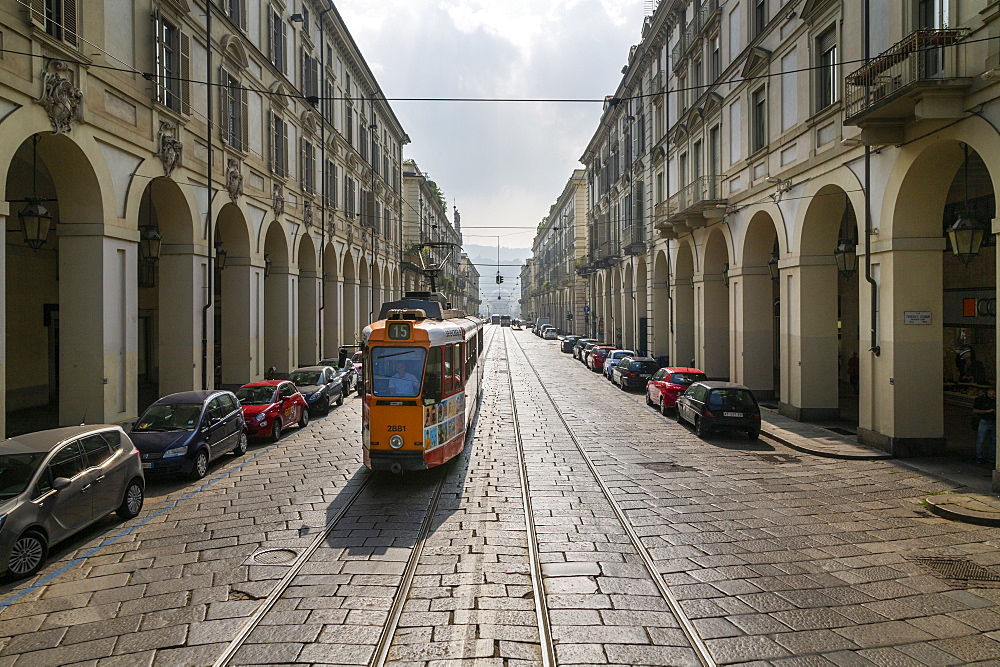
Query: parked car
{"type": "Point", "coordinates": [579, 345]}
{"type": "Point", "coordinates": [634, 371]}
{"type": "Point", "coordinates": [595, 360]}
{"type": "Point", "coordinates": [55, 483]}
{"type": "Point", "coordinates": [567, 343]}
{"type": "Point", "coordinates": [344, 371]}
{"type": "Point", "coordinates": [320, 386]}
{"type": "Point", "coordinates": [550, 333]}
{"type": "Point", "coordinates": [270, 406]}
{"type": "Point", "coordinates": [668, 383]}
{"type": "Point", "coordinates": [359, 365]}
{"type": "Point", "coordinates": [711, 405]}
{"type": "Point", "coordinates": [585, 351]}
{"type": "Point", "coordinates": [612, 360]}
{"type": "Point", "coordinates": [184, 432]}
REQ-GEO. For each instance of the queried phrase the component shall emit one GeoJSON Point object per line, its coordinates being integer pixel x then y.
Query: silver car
{"type": "Point", "coordinates": [56, 483]}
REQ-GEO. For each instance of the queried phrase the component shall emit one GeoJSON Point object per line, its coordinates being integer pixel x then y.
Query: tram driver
{"type": "Point", "coordinates": [403, 383]}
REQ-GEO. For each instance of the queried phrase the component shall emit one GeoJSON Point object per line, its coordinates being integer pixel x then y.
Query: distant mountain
{"type": "Point", "coordinates": [485, 259]}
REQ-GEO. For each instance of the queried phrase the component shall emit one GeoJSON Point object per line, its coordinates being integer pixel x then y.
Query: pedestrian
{"type": "Point", "coordinates": [853, 372]}
{"type": "Point", "coordinates": [964, 360]}
{"type": "Point", "coordinates": [985, 408]}
{"type": "Point", "coordinates": [270, 373]}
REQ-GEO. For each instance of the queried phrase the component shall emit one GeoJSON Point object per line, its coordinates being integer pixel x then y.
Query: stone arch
{"type": "Point", "coordinates": [332, 302]}
{"type": "Point", "coordinates": [279, 288]}
{"type": "Point", "coordinates": [641, 300]}
{"type": "Point", "coordinates": [685, 348]}
{"type": "Point", "coordinates": [238, 286]}
{"type": "Point", "coordinates": [628, 308]}
{"type": "Point", "coordinates": [309, 294]}
{"type": "Point", "coordinates": [715, 304]}
{"type": "Point", "coordinates": [617, 330]}
{"type": "Point", "coordinates": [755, 297]}
{"type": "Point", "coordinates": [662, 315]}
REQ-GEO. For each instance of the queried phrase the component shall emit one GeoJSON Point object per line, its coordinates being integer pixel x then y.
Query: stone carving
{"type": "Point", "coordinates": [307, 213]}
{"type": "Point", "coordinates": [364, 243]}
{"type": "Point", "coordinates": [375, 246]}
{"type": "Point", "coordinates": [171, 150]}
{"type": "Point", "coordinates": [278, 199]}
{"type": "Point", "coordinates": [350, 234]}
{"type": "Point", "coordinates": [61, 99]}
{"type": "Point", "coordinates": [234, 178]}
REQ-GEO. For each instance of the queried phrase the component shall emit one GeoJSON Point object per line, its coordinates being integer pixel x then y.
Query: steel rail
{"type": "Point", "coordinates": [541, 607]}
{"type": "Point", "coordinates": [244, 633]}
{"type": "Point", "coordinates": [697, 643]}
{"type": "Point", "coordinates": [384, 644]}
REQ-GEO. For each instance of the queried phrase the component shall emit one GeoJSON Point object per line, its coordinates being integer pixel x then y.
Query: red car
{"type": "Point", "coordinates": [595, 360]}
{"type": "Point", "coordinates": [669, 383]}
{"type": "Point", "coordinates": [270, 406]}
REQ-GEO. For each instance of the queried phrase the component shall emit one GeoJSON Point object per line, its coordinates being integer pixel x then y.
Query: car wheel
{"type": "Point", "coordinates": [304, 416]}
{"type": "Point", "coordinates": [700, 429]}
{"type": "Point", "coordinates": [340, 399]}
{"type": "Point", "coordinates": [649, 402]}
{"type": "Point", "coordinates": [27, 555]}
{"type": "Point", "coordinates": [132, 502]}
{"type": "Point", "coordinates": [241, 444]}
{"type": "Point", "coordinates": [200, 468]}
{"type": "Point", "coordinates": [276, 430]}
{"type": "Point", "coordinates": [753, 434]}
{"type": "Point", "coordinates": [677, 412]}
{"type": "Point", "coordinates": [359, 389]}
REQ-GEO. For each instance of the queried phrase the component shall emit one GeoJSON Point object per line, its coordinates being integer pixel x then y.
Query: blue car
{"type": "Point", "coordinates": [182, 433]}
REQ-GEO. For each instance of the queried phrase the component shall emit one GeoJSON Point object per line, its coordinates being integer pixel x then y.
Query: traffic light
{"type": "Point", "coordinates": [499, 279]}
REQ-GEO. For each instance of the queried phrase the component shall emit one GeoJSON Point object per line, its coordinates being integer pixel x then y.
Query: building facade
{"type": "Point", "coordinates": [801, 198]}
{"type": "Point", "coordinates": [559, 250]}
{"type": "Point", "coordinates": [467, 288]}
{"type": "Point", "coordinates": [221, 185]}
{"type": "Point", "coordinates": [430, 241]}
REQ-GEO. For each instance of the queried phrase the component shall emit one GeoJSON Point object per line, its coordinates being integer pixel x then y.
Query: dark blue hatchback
{"type": "Point", "coordinates": [182, 433]}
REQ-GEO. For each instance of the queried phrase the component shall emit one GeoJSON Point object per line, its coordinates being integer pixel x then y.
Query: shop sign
{"type": "Point", "coordinates": [970, 307]}
{"type": "Point", "coordinates": [917, 317]}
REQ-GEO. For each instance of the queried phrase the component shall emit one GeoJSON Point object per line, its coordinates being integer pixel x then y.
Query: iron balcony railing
{"type": "Point", "coordinates": [700, 192]}
{"type": "Point", "coordinates": [923, 56]}
{"type": "Point", "coordinates": [705, 13]}
{"type": "Point", "coordinates": [634, 239]}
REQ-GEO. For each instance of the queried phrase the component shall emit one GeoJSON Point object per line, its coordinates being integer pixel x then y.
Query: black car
{"type": "Point", "coordinates": [634, 371]}
{"type": "Point", "coordinates": [320, 386]}
{"type": "Point", "coordinates": [182, 433]}
{"type": "Point", "coordinates": [714, 405]}
{"type": "Point", "coordinates": [567, 343]}
{"type": "Point", "coordinates": [578, 346]}
{"type": "Point", "coordinates": [585, 350]}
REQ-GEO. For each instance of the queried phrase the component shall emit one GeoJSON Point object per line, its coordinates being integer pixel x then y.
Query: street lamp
{"type": "Point", "coordinates": [772, 265]}
{"type": "Point", "coordinates": [34, 218]}
{"type": "Point", "coordinates": [220, 255]}
{"type": "Point", "coordinates": [725, 274]}
{"type": "Point", "coordinates": [267, 264]}
{"type": "Point", "coordinates": [966, 235]}
{"type": "Point", "coordinates": [847, 257]}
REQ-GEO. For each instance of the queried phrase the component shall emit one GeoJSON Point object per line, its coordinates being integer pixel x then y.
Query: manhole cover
{"type": "Point", "coordinates": [274, 556]}
{"type": "Point", "coordinates": [958, 569]}
{"type": "Point", "coordinates": [778, 458]}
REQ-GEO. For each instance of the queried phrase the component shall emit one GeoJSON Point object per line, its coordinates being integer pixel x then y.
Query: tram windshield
{"type": "Point", "coordinates": [396, 371]}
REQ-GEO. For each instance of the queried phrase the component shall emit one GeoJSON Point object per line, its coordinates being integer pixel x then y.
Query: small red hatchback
{"type": "Point", "coordinates": [270, 406]}
{"type": "Point", "coordinates": [668, 383]}
{"type": "Point", "coordinates": [595, 360]}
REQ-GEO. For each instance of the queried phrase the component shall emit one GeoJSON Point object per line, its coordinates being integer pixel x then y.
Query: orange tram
{"type": "Point", "coordinates": [422, 381]}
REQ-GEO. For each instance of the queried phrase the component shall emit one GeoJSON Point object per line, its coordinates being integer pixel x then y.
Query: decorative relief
{"type": "Point", "coordinates": [350, 235]}
{"type": "Point", "coordinates": [278, 199]}
{"type": "Point", "coordinates": [63, 101]}
{"type": "Point", "coordinates": [307, 213]}
{"type": "Point", "coordinates": [171, 151]}
{"type": "Point", "coordinates": [234, 179]}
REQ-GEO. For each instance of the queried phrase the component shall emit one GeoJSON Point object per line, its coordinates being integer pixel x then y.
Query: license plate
{"type": "Point", "coordinates": [732, 414]}
{"type": "Point", "coordinates": [147, 466]}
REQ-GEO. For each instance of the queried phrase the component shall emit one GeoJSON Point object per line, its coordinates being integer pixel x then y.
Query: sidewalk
{"type": "Point", "coordinates": [972, 501]}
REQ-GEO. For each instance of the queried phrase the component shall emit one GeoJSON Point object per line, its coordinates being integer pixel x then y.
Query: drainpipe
{"type": "Point", "coordinates": [868, 209]}
{"type": "Point", "coordinates": [326, 178]}
{"type": "Point", "coordinates": [210, 297]}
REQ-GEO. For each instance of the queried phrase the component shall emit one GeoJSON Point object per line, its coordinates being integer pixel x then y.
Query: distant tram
{"type": "Point", "coordinates": [495, 319]}
{"type": "Point", "coordinates": [505, 320]}
{"type": "Point", "coordinates": [422, 379]}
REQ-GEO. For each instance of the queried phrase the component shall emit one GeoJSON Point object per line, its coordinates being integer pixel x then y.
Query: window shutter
{"type": "Point", "coordinates": [244, 119]}
{"type": "Point", "coordinates": [69, 21]}
{"type": "Point", "coordinates": [284, 148]}
{"type": "Point", "coordinates": [185, 71]}
{"type": "Point", "coordinates": [243, 15]}
{"type": "Point", "coordinates": [302, 164]}
{"type": "Point", "coordinates": [224, 93]}
{"type": "Point", "coordinates": [270, 140]}
{"type": "Point", "coordinates": [36, 13]}
{"type": "Point", "coordinates": [270, 32]}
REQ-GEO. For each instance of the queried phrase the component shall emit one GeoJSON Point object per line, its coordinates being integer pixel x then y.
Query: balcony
{"type": "Point", "coordinates": [709, 10]}
{"type": "Point", "coordinates": [634, 239]}
{"type": "Point", "coordinates": [917, 78]}
{"type": "Point", "coordinates": [694, 204]}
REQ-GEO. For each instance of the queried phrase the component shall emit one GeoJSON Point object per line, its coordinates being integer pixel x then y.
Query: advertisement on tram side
{"type": "Point", "coordinates": [444, 422]}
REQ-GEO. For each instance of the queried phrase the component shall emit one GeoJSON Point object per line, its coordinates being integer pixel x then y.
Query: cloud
{"type": "Point", "coordinates": [504, 162]}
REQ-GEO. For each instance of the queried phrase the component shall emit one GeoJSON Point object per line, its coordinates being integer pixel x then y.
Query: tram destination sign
{"type": "Point", "coordinates": [917, 317]}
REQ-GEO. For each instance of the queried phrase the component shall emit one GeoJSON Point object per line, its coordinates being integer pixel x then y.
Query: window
{"type": "Point", "coordinates": [276, 28]}
{"type": "Point", "coordinates": [55, 17]}
{"type": "Point", "coordinates": [236, 10]}
{"type": "Point", "coordinates": [331, 184]}
{"type": "Point", "coordinates": [308, 170]}
{"type": "Point", "coordinates": [96, 449]}
{"type": "Point", "coordinates": [279, 145]}
{"type": "Point", "coordinates": [759, 16]}
{"type": "Point", "coordinates": [310, 74]}
{"type": "Point", "coordinates": [68, 462]}
{"type": "Point", "coordinates": [173, 67]}
{"type": "Point", "coordinates": [350, 203]}
{"type": "Point", "coordinates": [659, 187]}
{"type": "Point", "coordinates": [396, 371]}
{"type": "Point", "coordinates": [758, 113]}
{"type": "Point", "coordinates": [235, 112]}
{"type": "Point", "coordinates": [696, 82]}
{"type": "Point", "coordinates": [715, 58]}
{"type": "Point", "coordinates": [826, 74]}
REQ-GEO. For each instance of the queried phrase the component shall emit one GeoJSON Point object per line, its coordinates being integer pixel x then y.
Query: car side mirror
{"type": "Point", "coordinates": [60, 483]}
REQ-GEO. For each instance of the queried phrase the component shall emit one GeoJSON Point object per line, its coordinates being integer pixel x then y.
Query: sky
{"type": "Point", "coordinates": [502, 163]}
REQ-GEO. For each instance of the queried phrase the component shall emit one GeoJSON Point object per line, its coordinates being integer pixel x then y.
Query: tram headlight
{"type": "Point", "coordinates": [396, 441]}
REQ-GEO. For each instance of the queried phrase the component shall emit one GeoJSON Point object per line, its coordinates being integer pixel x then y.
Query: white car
{"type": "Point", "coordinates": [612, 360]}
{"type": "Point", "coordinates": [550, 333]}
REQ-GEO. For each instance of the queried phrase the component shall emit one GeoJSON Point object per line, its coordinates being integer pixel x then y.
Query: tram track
{"type": "Point", "coordinates": [697, 644]}
{"type": "Point", "coordinates": [383, 645]}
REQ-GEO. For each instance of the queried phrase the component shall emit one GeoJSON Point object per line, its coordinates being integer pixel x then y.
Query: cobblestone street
{"type": "Point", "coordinates": [624, 539]}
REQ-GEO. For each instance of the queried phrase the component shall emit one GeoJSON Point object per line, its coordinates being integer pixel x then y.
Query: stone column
{"type": "Point", "coordinates": [308, 329]}
{"type": "Point", "coordinates": [242, 328]}
{"type": "Point", "coordinates": [350, 311]}
{"type": "Point", "coordinates": [753, 349]}
{"type": "Point", "coordinates": [712, 302]}
{"type": "Point", "coordinates": [182, 282]}
{"type": "Point", "coordinates": [810, 290]}
{"type": "Point", "coordinates": [332, 316]}
{"type": "Point", "coordinates": [683, 342]}
{"type": "Point", "coordinates": [98, 304]}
